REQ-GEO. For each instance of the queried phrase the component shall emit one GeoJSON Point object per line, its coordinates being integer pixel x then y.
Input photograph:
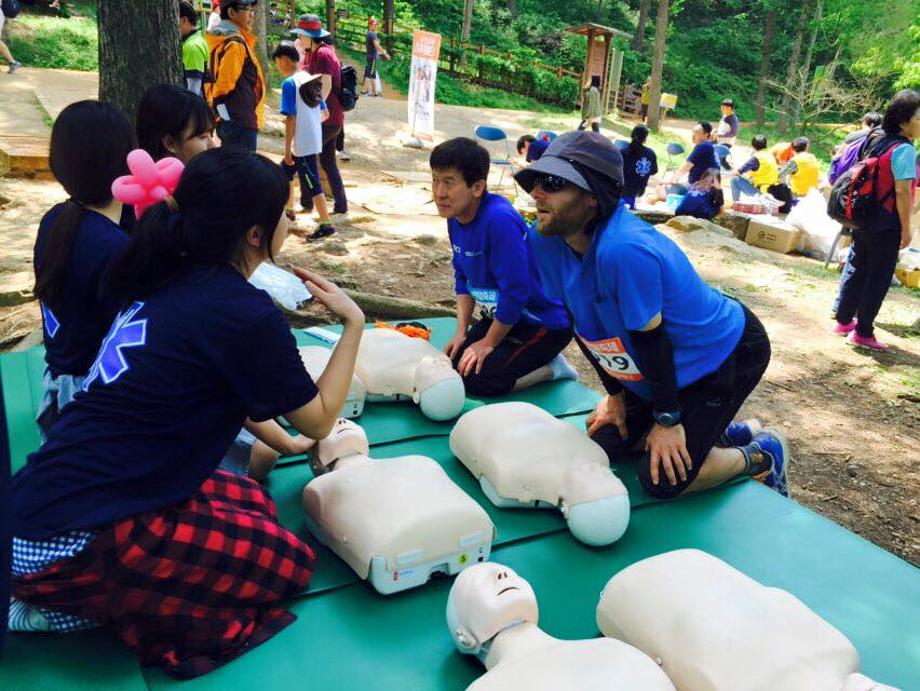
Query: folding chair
{"type": "Point", "coordinates": [486, 134]}
{"type": "Point", "coordinates": [674, 149]}
{"type": "Point", "coordinates": [620, 145]}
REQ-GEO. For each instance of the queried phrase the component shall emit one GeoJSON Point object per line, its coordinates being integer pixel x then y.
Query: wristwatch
{"type": "Point", "coordinates": [667, 418]}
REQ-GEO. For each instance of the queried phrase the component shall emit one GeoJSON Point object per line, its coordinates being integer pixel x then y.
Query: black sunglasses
{"type": "Point", "coordinates": [550, 183]}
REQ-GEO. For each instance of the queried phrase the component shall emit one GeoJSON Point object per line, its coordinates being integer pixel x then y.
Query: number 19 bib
{"type": "Point", "coordinates": [613, 358]}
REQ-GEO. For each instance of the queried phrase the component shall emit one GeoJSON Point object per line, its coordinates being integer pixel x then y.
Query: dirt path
{"type": "Point", "coordinates": [853, 419]}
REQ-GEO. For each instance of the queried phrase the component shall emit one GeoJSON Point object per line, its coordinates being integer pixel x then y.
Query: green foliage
{"type": "Point", "coordinates": [50, 41]}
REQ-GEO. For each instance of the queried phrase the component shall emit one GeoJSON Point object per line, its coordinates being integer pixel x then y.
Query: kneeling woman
{"type": "Point", "coordinates": [122, 518]}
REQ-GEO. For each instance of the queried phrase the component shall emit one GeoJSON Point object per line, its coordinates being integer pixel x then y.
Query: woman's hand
{"type": "Point", "coordinates": [331, 296]}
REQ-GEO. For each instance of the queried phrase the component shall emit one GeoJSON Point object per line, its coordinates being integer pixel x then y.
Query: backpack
{"type": "Point", "coordinates": [857, 197]}
{"type": "Point", "coordinates": [11, 8]}
{"type": "Point", "coordinates": [845, 159]}
{"type": "Point", "coordinates": [348, 93]}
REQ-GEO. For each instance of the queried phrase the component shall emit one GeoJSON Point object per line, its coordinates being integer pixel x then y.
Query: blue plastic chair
{"type": "Point", "coordinates": [722, 153]}
{"type": "Point", "coordinates": [485, 135]}
{"type": "Point", "coordinates": [674, 149]}
{"type": "Point", "coordinates": [620, 145]}
{"type": "Point", "coordinates": [547, 135]}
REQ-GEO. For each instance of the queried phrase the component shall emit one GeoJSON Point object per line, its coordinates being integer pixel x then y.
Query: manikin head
{"type": "Point", "coordinates": [484, 600]}
{"type": "Point", "coordinates": [345, 440]}
{"type": "Point", "coordinates": [593, 520]}
{"type": "Point", "coordinates": [438, 389]}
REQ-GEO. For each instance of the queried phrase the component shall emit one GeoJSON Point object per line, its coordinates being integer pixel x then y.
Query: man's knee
{"type": "Point", "coordinates": [664, 489]}
{"type": "Point", "coordinates": [487, 383]}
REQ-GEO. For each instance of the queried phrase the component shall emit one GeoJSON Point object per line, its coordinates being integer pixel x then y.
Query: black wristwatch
{"type": "Point", "coordinates": [667, 418]}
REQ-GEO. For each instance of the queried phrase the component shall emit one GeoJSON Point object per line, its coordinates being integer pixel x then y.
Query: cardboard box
{"type": "Point", "coordinates": [908, 278]}
{"type": "Point", "coordinates": [776, 235]}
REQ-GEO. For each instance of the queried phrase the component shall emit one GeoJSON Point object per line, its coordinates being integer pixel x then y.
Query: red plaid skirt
{"type": "Point", "coordinates": [189, 587]}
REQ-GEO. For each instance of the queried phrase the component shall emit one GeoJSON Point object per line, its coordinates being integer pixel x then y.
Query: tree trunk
{"type": "Point", "coordinates": [766, 54]}
{"type": "Point", "coordinates": [806, 67]}
{"type": "Point", "coordinates": [126, 45]}
{"type": "Point", "coordinates": [512, 8]}
{"type": "Point", "coordinates": [389, 11]}
{"type": "Point", "coordinates": [330, 16]}
{"type": "Point", "coordinates": [260, 29]}
{"type": "Point", "coordinates": [792, 69]}
{"type": "Point", "coordinates": [465, 30]}
{"type": "Point", "coordinates": [654, 95]}
{"type": "Point", "coordinates": [639, 38]}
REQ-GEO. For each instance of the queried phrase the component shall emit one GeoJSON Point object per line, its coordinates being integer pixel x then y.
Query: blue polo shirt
{"type": "Point", "coordinates": [74, 328]}
{"type": "Point", "coordinates": [703, 157]}
{"type": "Point", "coordinates": [493, 263]}
{"type": "Point", "coordinates": [175, 378]}
{"type": "Point", "coordinates": [630, 273]}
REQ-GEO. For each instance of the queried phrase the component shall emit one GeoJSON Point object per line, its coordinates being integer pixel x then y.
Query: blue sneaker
{"type": "Point", "coordinates": [740, 433]}
{"type": "Point", "coordinates": [774, 444]}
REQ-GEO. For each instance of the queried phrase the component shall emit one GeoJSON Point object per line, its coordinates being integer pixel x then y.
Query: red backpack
{"type": "Point", "coordinates": [866, 189]}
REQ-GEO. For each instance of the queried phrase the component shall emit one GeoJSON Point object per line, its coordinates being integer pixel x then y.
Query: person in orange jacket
{"type": "Point", "coordinates": [237, 90]}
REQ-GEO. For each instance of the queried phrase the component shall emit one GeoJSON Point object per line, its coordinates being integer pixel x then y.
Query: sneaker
{"type": "Point", "coordinates": [14, 66]}
{"type": "Point", "coordinates": [740, 433]}
{"type": "Point", "coordinates": [324, 231]}
{"type": "Point", "coordinates": [561, 369]}
{"type": "Point", "coordinates": [844, 329]}
{"type": "Point", "coordinates": [344, 156]}
{"type": "Point", "coordinates": [774, 445]}
{"type": "Point", "coordinates": [870, 343]}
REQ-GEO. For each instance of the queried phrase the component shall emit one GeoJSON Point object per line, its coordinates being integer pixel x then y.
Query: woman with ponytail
{"type": "Point", "coordinates": [76, 240]}
{"type": "Point", "coordinates": [639, 164]}
{"type": "Point", "coordinates": [123, 518]}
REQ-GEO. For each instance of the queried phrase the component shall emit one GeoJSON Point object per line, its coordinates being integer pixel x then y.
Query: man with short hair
{"type": "Point", "coordinates": [803, 172]}
{"type": "Point", "coordinates": [520, 333]}
{"type": "Point", "coordinates": [195, 52]}
{"type": "Point", "coordinates": [530, 147]}
{"type": "Point", "coordinates": [758, 174]}
{"type": "Point", "coordinates": [729, 124]}
{"type": "Point", "coordinates": [237, 93]}
{"type": "Point", "coordinates": [374, 51]}
{"type": "Point", "coordinates": [703, 157]}
{"type": "Point", "coordinates": [677, 357]}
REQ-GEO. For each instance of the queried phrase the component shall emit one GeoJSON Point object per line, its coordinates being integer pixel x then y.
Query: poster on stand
{"type": "Point", "coordinates": [426, 47]}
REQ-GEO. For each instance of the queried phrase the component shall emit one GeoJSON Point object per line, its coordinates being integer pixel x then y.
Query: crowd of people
{"type": "Point", "coordinates": [166, 369]}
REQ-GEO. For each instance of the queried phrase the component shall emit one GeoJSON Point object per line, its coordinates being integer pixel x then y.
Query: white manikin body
{"type": "Point", "coordinates": [714, 628]}
{"type": "Point", "coordinates": [315, 359]}
{"type": "Point", "coordinates": [492, 613]}
{"type": "Point", "coordinates": [524, 457]}
{"type": "Point", "coordinates": [395, 521]}
{"type": "Point", "coordinates": [394, 366]}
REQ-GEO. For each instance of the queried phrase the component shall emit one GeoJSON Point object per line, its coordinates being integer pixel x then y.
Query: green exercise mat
{"type": "Point", "coordinates": [88, 661]}
{"type": "Point", "coordinates": [355, 639]}
{"type": "Point", "coordinates": [23, 392]}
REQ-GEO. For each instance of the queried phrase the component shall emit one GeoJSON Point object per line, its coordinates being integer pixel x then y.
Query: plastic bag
{"type": "Point", "coordinates": [284, 287]}
{"type": "Point", "coordinates": [818, 229]}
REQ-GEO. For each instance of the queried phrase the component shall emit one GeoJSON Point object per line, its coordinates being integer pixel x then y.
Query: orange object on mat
{"type": "Point", "coordinates": [413, 329]}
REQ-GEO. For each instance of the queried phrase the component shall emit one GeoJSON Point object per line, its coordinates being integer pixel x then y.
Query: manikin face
{"type": "Point", "coordinates": [485, 599]}
{"type": "Point", "coordinates": [564, 212]}
{"type": "Point", "coordinates": [452, 196]}
{"type": "Point", "coordinates": [345, 439]}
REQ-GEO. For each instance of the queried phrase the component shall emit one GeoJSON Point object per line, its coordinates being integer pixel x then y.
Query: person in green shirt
{"type": "Point", "coordinates": [195, 52]}
{"type": "Point", "coordinates": [591, 104]}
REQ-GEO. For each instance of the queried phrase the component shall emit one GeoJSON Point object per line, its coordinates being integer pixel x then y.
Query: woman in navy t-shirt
{"type": "Point", "coordinates": [639, 164]}
{"type": "Point", "coordinates": [121, 518]}
{"type": "Point", "coordinates": [77, 239]}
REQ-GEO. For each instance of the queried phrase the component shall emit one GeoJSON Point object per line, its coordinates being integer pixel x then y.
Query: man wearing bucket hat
{"type": "Point", "coordinates": [237, 92]}
{"type": "Point", "coordinates": [677, 357]}
{"type": "Point", "coordinates": [320, 58]}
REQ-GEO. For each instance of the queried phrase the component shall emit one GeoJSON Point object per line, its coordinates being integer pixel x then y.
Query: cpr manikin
{"type": "Point", "coordinates": [524, 457]}
{"type": "Point", "coordinates": [714, 628]}
{"type": "Point", "coordinates": [394, 367]}
{"type": "Point", "coordinates": [315, 359]}
{"type": "Point", "coordinates": [395, 521]}
{"type": "Point", "coordinates": [492, 613]}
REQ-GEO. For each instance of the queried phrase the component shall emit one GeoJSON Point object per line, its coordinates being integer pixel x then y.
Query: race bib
{"type": "Point", "coordinates": [486, 302]}
{"type": "Point", "coordinates": [613, 358]}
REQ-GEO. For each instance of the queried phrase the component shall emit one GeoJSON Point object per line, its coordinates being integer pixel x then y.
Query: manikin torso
{"type": "Point", "coordinates": [404, 511]}
{"type": "Point", "coordinates": [315, 359]}
{"type": "Point", "coordinates": [722, 630]}
{"type": "Point", "coordinates": [524, 456]}
{"type": "Point", "coordinates": [492, 613]}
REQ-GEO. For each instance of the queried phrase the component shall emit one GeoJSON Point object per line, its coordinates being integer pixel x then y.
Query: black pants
{"type": "Point", "coordinates": [331, 167]}
{"type": "Point", "coordinates": [595, 127]}
{"type": "Point", "coordinates": [527, 347]}
{"type": "Point", "coordinates": [867, 277]}
{"type": "Point", "coordinates": [707, 407]}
